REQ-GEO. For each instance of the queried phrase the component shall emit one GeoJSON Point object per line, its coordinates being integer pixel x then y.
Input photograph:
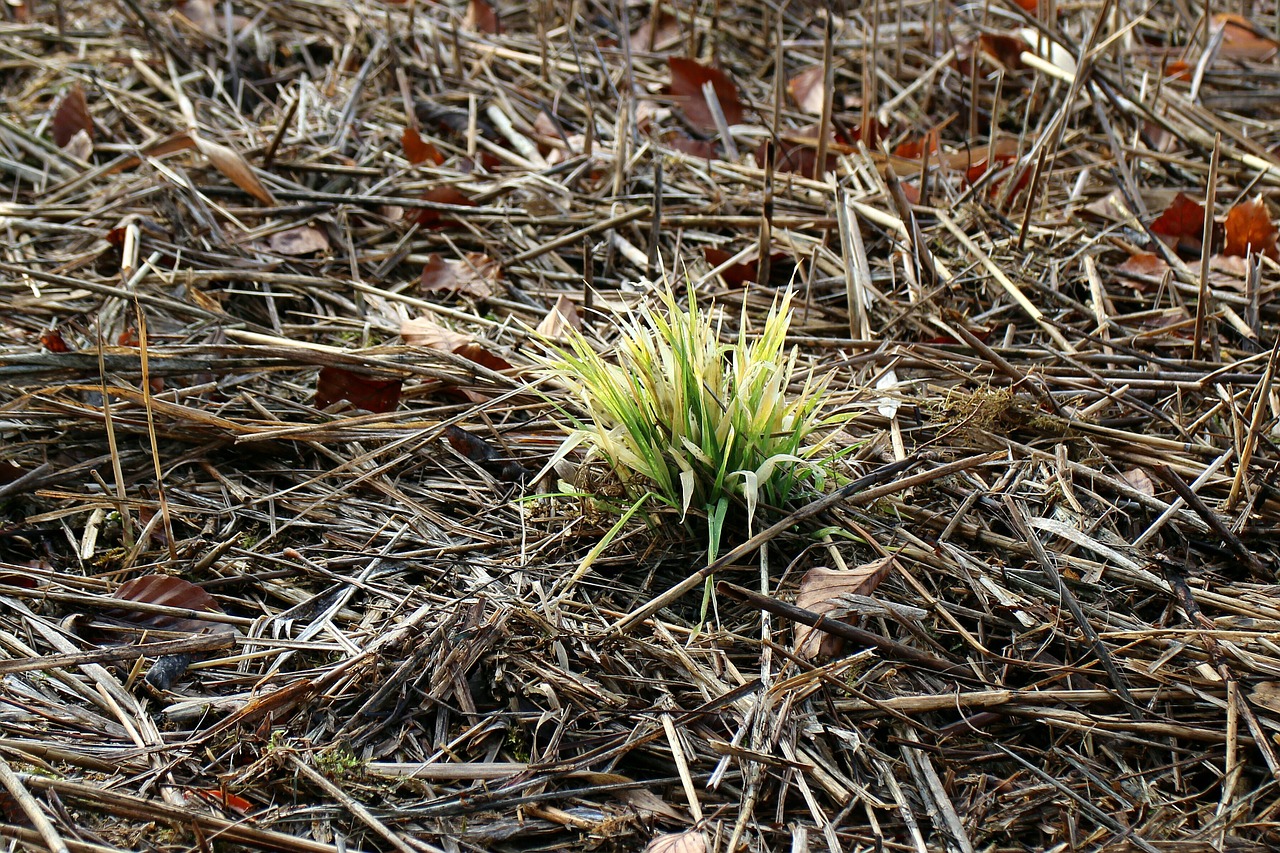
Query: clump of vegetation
{"type": "Point", "coordinates": [695, 423]}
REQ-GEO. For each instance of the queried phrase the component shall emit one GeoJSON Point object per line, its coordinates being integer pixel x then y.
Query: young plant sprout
{"type": "Point", "coordinates": [691, 421]}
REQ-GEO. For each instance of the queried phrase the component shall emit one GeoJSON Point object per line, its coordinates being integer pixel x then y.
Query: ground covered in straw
{"type": "Point", "coordinates": [275, 281]}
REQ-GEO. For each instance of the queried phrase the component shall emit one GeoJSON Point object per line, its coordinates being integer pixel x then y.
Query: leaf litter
{"type": "Point", "coordinates": [1065, 438]}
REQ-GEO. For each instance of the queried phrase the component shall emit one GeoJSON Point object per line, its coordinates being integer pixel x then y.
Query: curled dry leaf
{"type": "Point", "coordinates": [1241, 39]}
{"type": "Point", "coordinates": [303, 240]}
{"type": "Point", "coordinates": [563, 315]}
{"type": "Point", "coordinates": [234, 167]}
{"type": "Point", "coordinates": [418, 150]}
{"type": "Point", "coordinates": [170, 592]}
{"type": "Point", "coordinates": [820, 590]}
{"type": "Point", "coordinates": [687, 78]}
{"type": "Point", "coordinates": [421, 332]}
{"type": "Point", "coordinates": [1249, 229]}
{"type": "Point", "coordinates": [692, 841]}
{"type": "Point", "coordinates": [807, 89]}
{"type": "Point", "coordinates": [474, 276]}
{"type": "Point", "coordinates": [71, 117]}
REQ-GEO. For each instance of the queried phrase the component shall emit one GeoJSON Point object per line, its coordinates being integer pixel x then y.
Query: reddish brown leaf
{"type": "Point", "coordinates": [359, 389]}
{"type": "Point", "coordinates": [736, 275]}
{"type": "Point", "coordinates": [704, 148]}
{"type": "Point", "coordinates": [443, 194]}
{"type": "Point", "coordinates": [303, 240]}
{"type": "Point", "coordinates": [1241, 39]}
{"type": "Point", "coordinates": [222, 797]}
{"type": "Point", "coordinates": [687, 78]}
{"type": "Point", "coordinates": [1005, 49]}
{"type": "Point", "coordinates": [418, 150]}
{"type": "Point", "coordinates": [821, 590]}
{"type": "Point", "coordinates": [1182, 222]}
{"type": "Point", "coordinates": [1178, 70]}
{"type": "Point", "coordinates": [170, 592]}
{"type": "Point", "coordinates": [128, 338]}
{"type": "Point", "coordinates": [481, 356]}
{"type": "Point", "coordinates": [807, 89]}
{"type": "Point", "coordinates": [53, 341]}
{"type": "Point", "coordinates": [473, 276]}
{"type": "Point", "coordinates": [1028, 5]}
{"type": "Point", "coordinates": [1249, 229]}
{"type": "Point", "coordinates": [71, 117]}
{"type": "Point", "coordinates": [481, 17]}
{"type": "Point", "coordinates": [914, 147]}
{"type": "Point", "coordinates": [1143, 264]}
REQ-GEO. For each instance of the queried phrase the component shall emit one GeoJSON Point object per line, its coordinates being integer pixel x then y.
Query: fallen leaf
{"type": "Point", "coordinates": [1241, 39]}
{"type": "Point", "coordinates": [1143, 264]}
{"type": "Point", "coordinates": [418, 150]}
{"type": "Point", "coordinates": [563, 315]}
{"type": "Point", "coordinates": [303, 240]}
{"type": "Point", "coordinates": [705, 149]}
{"type": "Point", "coordinates": [687, 78]}
{"type": "Point", "coordinates": [692, 841]}
{"type": "Point", "coordinates": [474, 276]}
{"type": "Point", "coordinates": [222, 797]}
{"type": "Point", "coordinates": [421, 332]}
{"type": "Point", "coordinates": [914, 147]}
{"type": "Point", "coordinates": [1178, 70]}
{"type": "Point", "coordinates": [820, 590]}
{"type": "Point", "coordinates": [481, 17]}
{"type": "Point", "coordinates": [807, 89]}
{"type": "Point", "coordinates": [484, 454]}
{"type": "Point", "coordinates": [53, 341]}
{"type": "Point", "coordinates": [1028, 5]}
{"type": "Point", "coordinates": [1249, 229]}
{"type": "Point", "coordinates": [71, 117]}
{"type": "Point", "coordinates": [443, 194]}
{"type": "Point", "coordinates": [1005, 49]}
{"type": "Point", "coordinates": [359, 389]}
{"type": "Point", "coordinates": [234, 167]}
{"type": "Point", "coordinates": [1140, 481]}
{"type": "Point", "coordinates": [1182, 223]}
{"type": "Point", "coordinates": [648, 39]}
{"type": "Point", "coordinates": [736, 275]}
{"type": "Point", "coordinates": [170, 592]}
{"type": "Point", "coordinates": [80, 146]}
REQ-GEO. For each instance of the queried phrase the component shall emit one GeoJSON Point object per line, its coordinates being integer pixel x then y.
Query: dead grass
{"type": "Point", "coordinates": [1074, 468]}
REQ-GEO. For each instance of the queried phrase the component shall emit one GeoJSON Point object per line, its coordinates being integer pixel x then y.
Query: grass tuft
{"type": "Point", "coordinates": [694, 421]}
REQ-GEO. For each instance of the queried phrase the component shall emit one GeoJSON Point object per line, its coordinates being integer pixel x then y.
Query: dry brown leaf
{"type": "Point", "coordinates": [475, 275]}
{"type": "Point", "coordinates": [687, 79]}
{"type": "Point", "coordinates": [303, 240]}
{"type": "Point", "coordinates": [1249, 229]}
{"type": "Point", "coordinates": [71, 117]}
{"type": "Point", "coordinates": [80, 146]}
{"type": "Point", "coordinates": [692, 841]}
{"type": "Point", "coordinates": [234, 167]}
{"type": "Point", "coordinates": [1143, 264]}
{"type": "Point", "coordinates": [665, 36]}
{"type": "Point", "coordinates": [1140, 481]}
{"type": "Point", "coordinates": [421, 332]}
{"type": "Point", "coordinates": [819, 590]}
{"type": "Point", "coordinates": [481, 17]}
{"type": "Point", "coordinates": [1241, 39]}
{"type": "Point", "coordinates": [808, 90]}
{"type": "Point", "coordinates": [563, 315]}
